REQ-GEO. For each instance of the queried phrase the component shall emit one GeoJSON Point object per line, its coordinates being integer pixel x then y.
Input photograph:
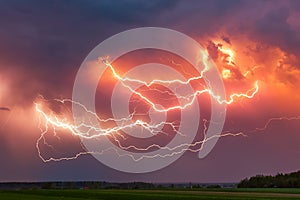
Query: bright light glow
{"type": "Point", "coordinates": [228, 52]}
{"type": "Point", "coordinates": [226, 73]}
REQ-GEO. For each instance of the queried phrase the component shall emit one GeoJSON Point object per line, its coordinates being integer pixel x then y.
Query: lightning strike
{"type": "Point", "coordinates": [284, 118]}
{"type": "Point", "coordinates": [171, 151]}
{"type": "Point", "coordinates": [55, 122]}
{"type": "Point", "coordinates": [249, 94]}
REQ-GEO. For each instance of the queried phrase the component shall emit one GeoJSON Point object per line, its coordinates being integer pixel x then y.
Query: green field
{"type": "Point", "coordinates": [151, 194]}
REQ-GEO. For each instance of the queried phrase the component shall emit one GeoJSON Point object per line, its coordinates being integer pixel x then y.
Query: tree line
{"type": "Point", "coordinates": [290, 180]}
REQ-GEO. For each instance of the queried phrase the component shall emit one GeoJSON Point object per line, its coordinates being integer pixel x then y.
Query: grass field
{"type": "Point", "coordinates": [151, 194]}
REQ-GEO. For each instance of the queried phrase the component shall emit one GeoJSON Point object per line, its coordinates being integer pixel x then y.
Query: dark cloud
{"type": "Point", "coordinates": [212, 49]}
{"type": "Point", "coordinates": [226, 39]}
{"type": "Point", "coordinates": [202, 18]}
{"type": "Point", "coordinates": [274, 29]}
{"type": "Point", "coordinates": [44, 43]}
{"type": "Point", "coordinates": [4, 108]}
{"type": "Point", "coordinates": [123, 11]}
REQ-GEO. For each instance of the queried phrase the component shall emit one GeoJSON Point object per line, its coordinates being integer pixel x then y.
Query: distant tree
{"type": "Point", "coordinates": [291, 180]}
{"type": "Point", "coordinates": [213, 186]}
{"type": "Point", "coordinates": [48, 185]}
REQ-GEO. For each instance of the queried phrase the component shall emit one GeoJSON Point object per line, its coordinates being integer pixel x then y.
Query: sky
{"type": "Point", "coordinates": [43, 43]}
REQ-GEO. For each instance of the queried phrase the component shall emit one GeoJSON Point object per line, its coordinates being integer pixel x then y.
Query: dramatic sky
{"type": "Point", "coordinates": [43, 43]}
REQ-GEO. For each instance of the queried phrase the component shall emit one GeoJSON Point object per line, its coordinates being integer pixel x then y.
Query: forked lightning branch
{"type": "Point", "coordinates": [105, 142]}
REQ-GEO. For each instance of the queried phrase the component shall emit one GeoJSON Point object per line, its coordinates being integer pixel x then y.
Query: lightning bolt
{"type": "Point", "coordinates": [172, 151]}
{"type": "Point", "coordinates": [57, 123]}
{"type": "Point", "coordinates": [51, 120]}
{"type": "Point", "coordinates": [191, 99]}
{"type": "Point", "coordinates": [271, 120]}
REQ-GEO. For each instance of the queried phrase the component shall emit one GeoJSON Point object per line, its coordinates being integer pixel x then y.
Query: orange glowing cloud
{"type": "Point", "coordinates": [243, 61]}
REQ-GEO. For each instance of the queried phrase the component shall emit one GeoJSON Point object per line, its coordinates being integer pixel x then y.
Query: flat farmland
{"type": "Point", "coordinates": [106, 194]}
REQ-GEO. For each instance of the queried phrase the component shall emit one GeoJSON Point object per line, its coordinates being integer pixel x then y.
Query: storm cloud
{"type": "Point", "coordinates": [44, 42]}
